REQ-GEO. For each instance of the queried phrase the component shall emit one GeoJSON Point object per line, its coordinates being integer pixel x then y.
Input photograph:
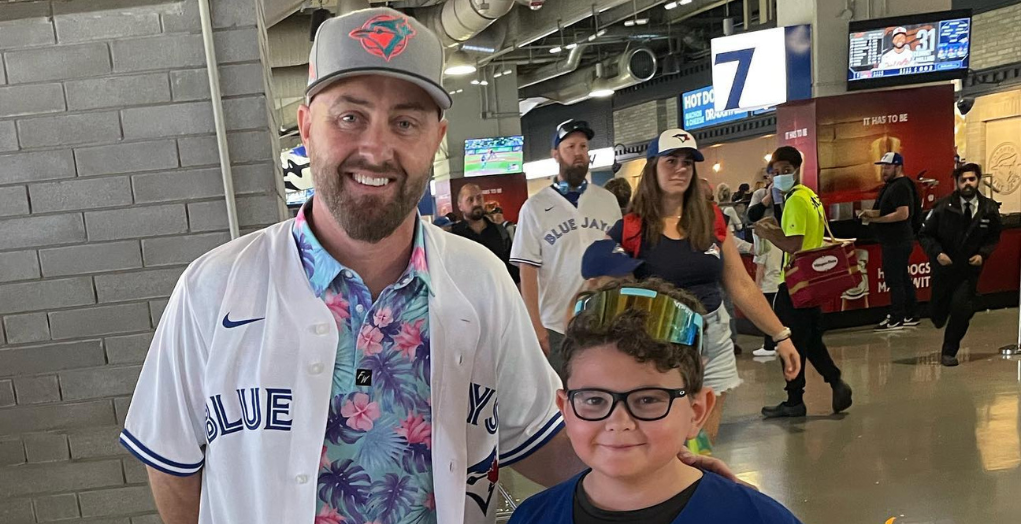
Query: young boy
{"type": "Point", "coordinates": [633, 393]}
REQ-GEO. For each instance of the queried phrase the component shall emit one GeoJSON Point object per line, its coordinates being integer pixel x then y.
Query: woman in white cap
{"type": "Point", "coordinates": [683, 239]}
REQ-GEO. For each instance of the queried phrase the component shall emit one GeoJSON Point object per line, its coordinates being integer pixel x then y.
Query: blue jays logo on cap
{"type": "Point", "coordinates": [385, 36]}
{"type": "Point", "coordinates": [673, 140]}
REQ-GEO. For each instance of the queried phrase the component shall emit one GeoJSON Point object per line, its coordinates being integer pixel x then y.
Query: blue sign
{"type": "Point", "coordinates": [698, 110]}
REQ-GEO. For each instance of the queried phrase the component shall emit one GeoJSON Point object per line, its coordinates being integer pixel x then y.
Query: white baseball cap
{"type": "Point", "coordinates": [673, 140]}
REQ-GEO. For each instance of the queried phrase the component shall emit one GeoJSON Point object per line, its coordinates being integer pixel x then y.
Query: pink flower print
{"type": "Point", "coordinates": [340, 308]}
{"type": "Point", "coordinates": [324, 461]}
{"type": "Point", "coordinates": [416, 430]}
{"type": "Point", "coordinates": [383, 317]}
{"type": "Point", "coordinates": [328, 515]}
{"type": "Point", "coordinates": [418, 260]}
{"type": "Point", "coordinates": [430, 502]}
{"type": "Point", "coordinates": [409, 338]}
{"type": "Point", "coordinates": [360, 413]}
{"type": "Point", "coordinates": [370, 340]}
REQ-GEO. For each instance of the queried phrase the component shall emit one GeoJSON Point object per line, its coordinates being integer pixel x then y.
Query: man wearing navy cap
{"type": "Point", "coordinates": [554, 227]}
{"type": "Point", "coordinates": [894, 215]}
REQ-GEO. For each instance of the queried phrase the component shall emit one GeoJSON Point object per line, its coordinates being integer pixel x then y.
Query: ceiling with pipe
{"type": "Point", "coordinates": [553, 44]}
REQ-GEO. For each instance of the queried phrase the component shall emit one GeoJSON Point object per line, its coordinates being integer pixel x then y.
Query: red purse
{"type": "Point", "coordinates": [817, 276]}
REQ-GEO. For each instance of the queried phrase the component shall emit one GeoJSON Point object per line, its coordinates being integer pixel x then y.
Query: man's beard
{"type": "Point", "coordinates": [573, 174]}
{"type": "Point", "coordinates": [476, 213]}
{"type": "Point", "coordinates": [968, 191]}
{"type": "Point", "coordinates": [367, 218]}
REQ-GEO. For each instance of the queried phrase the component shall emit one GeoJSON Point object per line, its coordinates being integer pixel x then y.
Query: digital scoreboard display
{"type": "Point", "coordinates": [907, 50]}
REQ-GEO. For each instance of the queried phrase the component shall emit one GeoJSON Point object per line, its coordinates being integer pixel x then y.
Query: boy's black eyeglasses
{"type": "Point", "coordinates": [646, 404]}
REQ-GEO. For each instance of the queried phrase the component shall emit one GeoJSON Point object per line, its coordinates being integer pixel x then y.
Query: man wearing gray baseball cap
{"type": "Point", "coordinates": [336, 387]}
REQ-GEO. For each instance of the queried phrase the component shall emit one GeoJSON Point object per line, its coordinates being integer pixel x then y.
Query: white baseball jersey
{"type": "Point", "coordinates": [245, 400]}
{"type": "Point", "coordinates": [553, 235]}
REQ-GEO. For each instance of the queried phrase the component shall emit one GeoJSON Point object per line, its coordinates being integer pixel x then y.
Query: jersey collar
{"type": "Point", "coordinates": [322, 269]}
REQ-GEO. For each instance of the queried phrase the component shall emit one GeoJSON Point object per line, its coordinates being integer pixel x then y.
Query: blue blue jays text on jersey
{"type": "Point", "coordinates": [249, 409]}
{"type": "Point", "coordinates": [568, 226]}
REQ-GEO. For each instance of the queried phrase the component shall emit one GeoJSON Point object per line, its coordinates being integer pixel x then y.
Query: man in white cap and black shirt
{"type": "Point", "coordinates": [319, 370]}
{"type": "Point", "coordinates": [895, 214]}
{"type": "Point", "coordinates": [555, 226]}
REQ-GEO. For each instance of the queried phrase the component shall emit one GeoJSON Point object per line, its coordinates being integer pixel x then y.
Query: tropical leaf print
{"type": "Point", "coordinates": [389, 370]}
{"type": "Point", "coordinates": [345, 486]}
{"type": "Point", "coordinates": [391, 498]}
{"type": "Point", "coordinates": [381, 446]}
{"type": "Point", "coordinates": [337, 430]}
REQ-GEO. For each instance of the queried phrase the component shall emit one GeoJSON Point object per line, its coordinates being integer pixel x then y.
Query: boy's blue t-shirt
{"type": "Point", "coordinates": [716, 500]}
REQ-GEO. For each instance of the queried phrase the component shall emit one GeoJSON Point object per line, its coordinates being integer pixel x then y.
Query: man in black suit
{"type": "Point", "coordinates": [959, 235]}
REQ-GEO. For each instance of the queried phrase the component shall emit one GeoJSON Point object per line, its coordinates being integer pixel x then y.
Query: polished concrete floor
{"type": "Point", "coordinates": [922, 443]}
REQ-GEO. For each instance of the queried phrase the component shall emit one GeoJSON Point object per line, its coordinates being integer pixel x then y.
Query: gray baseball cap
{"type": "Point", "coordinates": [377, 41]}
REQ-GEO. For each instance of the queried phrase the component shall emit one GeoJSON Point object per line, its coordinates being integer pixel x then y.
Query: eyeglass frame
{"type": "Point", "coordinates": [675, 393]}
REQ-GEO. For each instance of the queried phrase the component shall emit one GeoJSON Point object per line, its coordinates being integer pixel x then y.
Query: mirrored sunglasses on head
{"type": "Point", "coordinates": [668, 320]}
{"type": "Point", "coordinates": [569, 127]}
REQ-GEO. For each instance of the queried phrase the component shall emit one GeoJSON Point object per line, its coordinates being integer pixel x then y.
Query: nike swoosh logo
{"type": "Point", "coordinates": [549, 208]}
{"type": "Point", "coordinates": [230, 324]}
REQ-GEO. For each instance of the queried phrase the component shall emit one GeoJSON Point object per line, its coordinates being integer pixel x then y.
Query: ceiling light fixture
{"type": "Point", "coordinates": [475, 82]}
{"type": "Point", "coordinates": [556, 49]}
{"type": "Point", "coordinates": [686, 2]}
{"type": "Point", "coordinates": [484, 82]}
{"type": "Point", "coordinates": [717, 167]}
{"type": "Point", "coordinates": [459, 64]}
{"type": "Point", "coordinates": [570, 46]}
{"type": "Point", "coordinates": [507, 72]}
{"type": "Point", "coordinates": [671, 5]}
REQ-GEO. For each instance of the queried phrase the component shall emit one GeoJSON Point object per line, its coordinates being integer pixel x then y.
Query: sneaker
{"type": "Point", "coordinates": [911, 322]}
{"type": "Point", "coordinates": [949, 361]}
{"type": "Point", "coordinates": [890, 326]}
{"type": "Point", "coordinates": [785, 410]}
{"type": "Point", "coordinates": [841, 396]}
{"type": "Point", "coordinates": [763, 352]}
{"type": "Point", "coordinates": [884, 322]}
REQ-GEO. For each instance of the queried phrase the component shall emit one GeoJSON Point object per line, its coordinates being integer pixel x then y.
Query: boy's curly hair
{"type": "Point", "coordinates": [627, 332]}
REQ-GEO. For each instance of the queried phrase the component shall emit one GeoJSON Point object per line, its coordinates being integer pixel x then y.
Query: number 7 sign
{"type": "Point", "coordinates": [763, 68]}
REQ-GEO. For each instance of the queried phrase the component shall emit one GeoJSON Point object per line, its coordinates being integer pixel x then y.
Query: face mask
{"type": "Point", "coordinates": [784, 182]}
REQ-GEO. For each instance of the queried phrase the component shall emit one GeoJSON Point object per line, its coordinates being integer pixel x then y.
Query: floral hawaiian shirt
{"type": "Point", "coordinates": [376, 465]}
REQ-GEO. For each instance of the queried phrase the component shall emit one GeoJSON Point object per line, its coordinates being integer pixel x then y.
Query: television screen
{"type": "Point", "coordinates": [494, 156]}
{"type": "Point", "coordinates": [908, 49]}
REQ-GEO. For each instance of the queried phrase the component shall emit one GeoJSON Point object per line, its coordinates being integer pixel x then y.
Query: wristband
{"type": "Point", "coordinates": [784, 334]}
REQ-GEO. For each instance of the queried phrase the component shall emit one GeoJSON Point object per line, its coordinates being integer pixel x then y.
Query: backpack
{"type": "Point", "coordinates": [631, 236]}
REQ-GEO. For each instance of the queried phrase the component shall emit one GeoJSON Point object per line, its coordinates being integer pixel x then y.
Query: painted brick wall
{"type": "Point", "coordinates": [109, 187]}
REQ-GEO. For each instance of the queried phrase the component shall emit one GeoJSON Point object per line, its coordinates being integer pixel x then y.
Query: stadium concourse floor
{"type": "Point", "coordinates": [923, 444]}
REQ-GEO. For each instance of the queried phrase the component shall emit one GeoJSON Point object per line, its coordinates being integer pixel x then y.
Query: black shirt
{"type": "Point", "coordinates": [677, 262]}
{"type": "Point", "coordinates": [495, 238]}
{"type": "Point", "coordinates": [898, 192]}
{"type": "Point", "coordinates": [663, 513]}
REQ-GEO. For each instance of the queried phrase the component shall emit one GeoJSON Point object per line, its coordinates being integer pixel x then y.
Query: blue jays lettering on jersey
{"type": "Point", "coordinates": [385, 36]}
{"type": "Point", "coordinates": [376, 461]}
{"type": "Point", "coordinates": [566, 227]}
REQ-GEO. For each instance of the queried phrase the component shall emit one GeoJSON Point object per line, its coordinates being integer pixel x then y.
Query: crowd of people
{"type": "Point", "coordinates": [368, 335]}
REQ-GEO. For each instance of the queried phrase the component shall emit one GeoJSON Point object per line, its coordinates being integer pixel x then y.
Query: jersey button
{"type": "Point", "coordinates": [321, 329]}
{"type": "Point", "coordinates": [360, 308]}
{"type": "Point", "coordinates": [347, 274]}
{"type": "Point", "coordinates": [315, 369]}
{"type": "Point", "coordinates": [301, 479]}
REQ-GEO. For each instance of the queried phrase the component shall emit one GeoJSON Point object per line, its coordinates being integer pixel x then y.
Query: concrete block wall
{"type": "Point", "coordinates": [109, 186]}
{"type": "Point", "coordinates": [995, 39]}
